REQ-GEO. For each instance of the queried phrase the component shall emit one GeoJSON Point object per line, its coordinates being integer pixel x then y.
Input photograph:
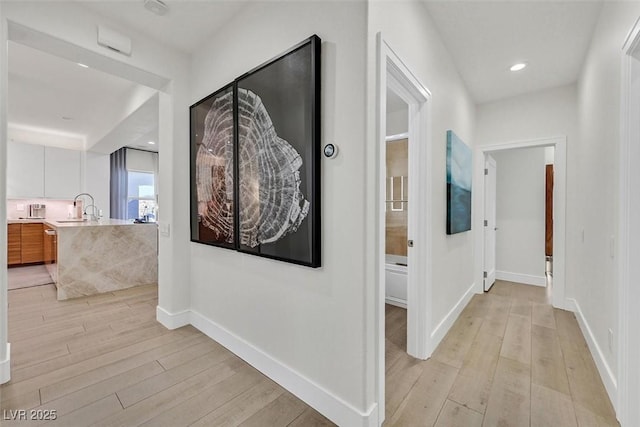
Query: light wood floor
{"type": "Point", "coordinates": [509, 360]}
{"type": "Point", "coordinates": [27, 276]}
{"type": "Point", "coordinates": [105, 361]}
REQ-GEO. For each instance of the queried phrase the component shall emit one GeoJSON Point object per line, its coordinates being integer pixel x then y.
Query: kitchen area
{"type": "Point", "coordinates": [62, 228]}
{"type": "Point", "coordinates": [81, 256]}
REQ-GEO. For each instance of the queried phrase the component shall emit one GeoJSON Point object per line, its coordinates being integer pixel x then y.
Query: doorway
{"type": "Point", "coordinates": [628, 348]}
{"type": "Point", "coordinates": [45, 43]}
{"type": "Point", "coordinates": [395, 76]}
{"type": "Point", "coordinates": [559, 200]}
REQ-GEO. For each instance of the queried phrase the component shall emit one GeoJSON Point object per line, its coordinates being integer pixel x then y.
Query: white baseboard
{"type": "Point", "coordinates": [322, 400]}
{"type": "Point", "coordinates": [5, 367]}
{"type": "Point", "coordinates": [526, 279]}
{"type": "Point", "coordinates": [396, 301]}
{"type": "Point", "coordinates": [173, 320]}
{"type": "Point", "coordinates": [608, 378]}
{"type": "Point", "coordinates": [445, 324]}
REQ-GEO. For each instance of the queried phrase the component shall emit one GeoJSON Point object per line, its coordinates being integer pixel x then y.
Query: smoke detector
{"type": "Point", "coordinates": [156, 6]}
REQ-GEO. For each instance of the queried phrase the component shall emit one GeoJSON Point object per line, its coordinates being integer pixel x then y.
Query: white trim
{"type": "Point", "coordinates": [608, 378]}
{"type": "Point", "coordinates": [396, 301]}
{"type": "Point", "coordinates": [394, 74]}
{"type": "Point", "coordinates": [172, 320]}
{"type": "Point", "coordinates": [325, 402]}
{"type": "Point", "coordinates": [628, 345]}
{"type": "Point", "coordinates": [397, 137]}
{"type": "Point", "coordinates": [559, 206]}
{"type": "Point", "coordinates": [5, 367]}
{"type": "Point", "coordinates": [443, 327]}
{"type": "Point", "coordinates": [526, 279]}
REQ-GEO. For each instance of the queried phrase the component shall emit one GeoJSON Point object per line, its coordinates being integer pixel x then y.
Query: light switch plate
{"type": "Point", "coordinates": [164, 229]}
{"type": "Point", "coordinates": [20, 207]}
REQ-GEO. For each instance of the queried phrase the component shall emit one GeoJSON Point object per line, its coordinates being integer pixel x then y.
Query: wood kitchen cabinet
{"type": "Point", "coordinates": [25, 243]}
{"type": "Point", "coordinates": [32, 243]}
{"type": "Point", "coordinates": [14, 246]}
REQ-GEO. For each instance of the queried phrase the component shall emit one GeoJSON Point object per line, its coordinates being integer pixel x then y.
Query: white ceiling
{"type": "Point", "coordinates": [184, 27]}
{"type": "Point", "coordinates": [48, 94]}
{"type": "Point", "coordinates": [483, 37]}
{"type": "Point", "coordinates": [486, 37]}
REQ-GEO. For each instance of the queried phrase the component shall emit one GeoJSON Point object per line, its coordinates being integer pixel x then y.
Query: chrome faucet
{"type": "Point", "coordinates": [94, 210]}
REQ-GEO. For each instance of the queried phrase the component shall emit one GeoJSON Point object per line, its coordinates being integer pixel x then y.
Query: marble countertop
{"type": "Point", "coordinates": [68, 223]}
{"type": "Point", "coordinates": [25, 220]}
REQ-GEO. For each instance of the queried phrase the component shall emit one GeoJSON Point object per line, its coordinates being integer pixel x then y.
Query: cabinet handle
{"type": "Point", "coordinates": [50, 232]}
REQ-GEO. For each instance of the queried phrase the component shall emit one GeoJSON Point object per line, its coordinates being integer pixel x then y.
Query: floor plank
{"type": "Point", "coordinates": [510, 399]}
{"type": "Point", "coordinates": [427, 397]}
{"type": "Point", "coordinates": [456, 415]}
{"type": "Point", "coordinates": [550, 408]}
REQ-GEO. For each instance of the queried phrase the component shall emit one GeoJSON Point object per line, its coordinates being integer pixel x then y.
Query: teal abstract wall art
{"type": "Point", "coordinates": [459, 176]}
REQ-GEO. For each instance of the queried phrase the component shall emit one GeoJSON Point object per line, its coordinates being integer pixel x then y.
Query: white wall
{"type": "Point", "coordinates": [4, 346]}
{"type": "Point", "coordinates": [520, 215]}
{"type": "Point", "coordinates": [410, 32]}
{"type": "Point", "coordinates": [309, 320]}
{"type": "Point", "coordinates": [594, 286]}
{"type": "Point", "coordinates": [398, 121]}
{"type": "Point", "coordinates": [71, 22]}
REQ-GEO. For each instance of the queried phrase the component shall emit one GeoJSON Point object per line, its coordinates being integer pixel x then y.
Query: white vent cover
{"type": "Point", "coordinates": [114, 40]}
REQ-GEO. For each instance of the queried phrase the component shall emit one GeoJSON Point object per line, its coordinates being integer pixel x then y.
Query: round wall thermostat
{"type": "Point", "coordinates": [330, 151]}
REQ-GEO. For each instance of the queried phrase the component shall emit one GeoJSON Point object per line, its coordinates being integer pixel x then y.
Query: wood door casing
{"type": "Point", "coordinates": [549, 211]}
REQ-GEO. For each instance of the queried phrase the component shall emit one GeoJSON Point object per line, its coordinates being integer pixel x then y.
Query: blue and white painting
{"type": "Point", "coordinates": [459, 173]}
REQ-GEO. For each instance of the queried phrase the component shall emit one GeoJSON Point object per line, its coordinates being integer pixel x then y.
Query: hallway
{"type": "Point", "coordinates": [509, 360]}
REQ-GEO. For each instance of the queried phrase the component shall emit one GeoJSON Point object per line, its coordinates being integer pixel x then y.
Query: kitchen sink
{"type": "Point", "coordinates": [62, 221]}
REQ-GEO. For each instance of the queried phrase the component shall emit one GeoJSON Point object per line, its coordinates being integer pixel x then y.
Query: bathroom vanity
{"type": "Point", "coordinates": [94, 257]}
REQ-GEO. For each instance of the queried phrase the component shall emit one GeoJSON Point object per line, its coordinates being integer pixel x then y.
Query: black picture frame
{"type": "Point", "coordinates": [212, 196]}
{"type": "Point", "coordinates": [276, 161]}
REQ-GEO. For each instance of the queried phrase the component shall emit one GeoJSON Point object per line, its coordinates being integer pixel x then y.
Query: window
{"type": "Point", "coordinates": [141, 195]}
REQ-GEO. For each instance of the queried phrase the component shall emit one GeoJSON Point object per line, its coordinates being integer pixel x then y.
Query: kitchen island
{"type": "Point", "coordinates": [95, 257]}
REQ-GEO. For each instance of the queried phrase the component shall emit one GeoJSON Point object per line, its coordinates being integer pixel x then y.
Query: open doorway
{"type": "Point", "coordinates": [519, 216]}
{"type": "Point", "coordinates": [64, 119]}
{"type": "Point", "coordinates": [396, 79]}
{"type": "Point", "coordinates": [521, 213]}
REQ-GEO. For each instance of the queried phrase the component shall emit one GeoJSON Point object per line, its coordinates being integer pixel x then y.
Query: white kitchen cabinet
{"type": "Point", "coordinates": [62, 173]}
{"type": "Point", "coordinates": [36, 171]}
{"type": "Point", "coordinates": [25, 170]}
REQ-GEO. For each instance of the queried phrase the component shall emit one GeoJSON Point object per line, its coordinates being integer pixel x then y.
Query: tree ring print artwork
{"type": "Point", "coordinates": [212, 127]}
{"type": "Point", "coordinates": [271, 203]}
{"type": "Point", "coordinates": [255, 160]}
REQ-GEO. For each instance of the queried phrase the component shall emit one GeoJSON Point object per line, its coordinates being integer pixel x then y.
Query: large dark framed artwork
{"type": "Point", "coordinates": [257, 190]}
{"type": "Point", "coordinates": [212, 169]}
{"type": "Point", "coordinates": [459, 175]}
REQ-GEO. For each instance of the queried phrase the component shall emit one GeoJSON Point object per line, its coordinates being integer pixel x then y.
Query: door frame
{"type": "Point", "coordinates": [558, 298]}
{"type": "Point", "coordinates": [393, 73]}
{"type": "Point", "coordinates": [628, 348]}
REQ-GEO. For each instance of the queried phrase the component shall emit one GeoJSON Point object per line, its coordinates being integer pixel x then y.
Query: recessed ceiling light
{"type": "Point", "coordinates": [151, 143]}
{"type": "Point", "coordinates": [156, 6]}
{"type": "Point", "coordinates": [83, 65]}
{"type": "Point", "coordinates": [519, 66]}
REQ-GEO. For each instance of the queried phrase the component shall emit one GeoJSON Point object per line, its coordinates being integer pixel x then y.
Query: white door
{"type": "Point", "coordinates": [489, 222]}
